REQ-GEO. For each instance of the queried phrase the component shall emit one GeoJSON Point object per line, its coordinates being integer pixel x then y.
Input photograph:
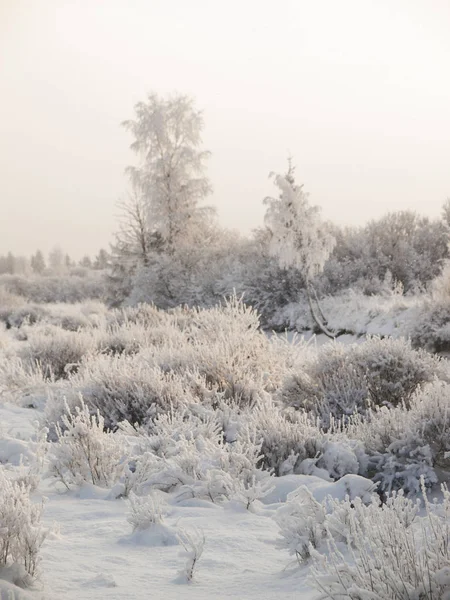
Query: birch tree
{"type": "Point", "coordinates": [170, 174]}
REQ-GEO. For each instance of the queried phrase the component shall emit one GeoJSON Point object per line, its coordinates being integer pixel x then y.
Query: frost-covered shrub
{"type": "Point", "coordinates": [21, 532]}
{"type": "Point", "coordinates": [404, 463]}
{"type": "Point", "coordinates": [28, 314]}
{"type": "Point", "coordinates": [129, 338]}
{"type": "Point", "coordinates": [56, 352]}
{"type": "Point", "coordinates": [186, 452]}
{"type": "Point", "coordinates": [430, 328]}
{"type": "Point", "coordinates": [290, 440]}
{"type": "Point", "coordinates": [85, 451]}
{"type": "Point", "coordinates": [302, 524]}
{"type": "Point", "coordinates": [332, 384]}
{"type": "Point", "coordinates": [184, 424]}
{"type": "Point", "coordinates": [393, 370]}
{"type": "Point", "coordinates": [230, 351]}
{"type": "Point", "coordinates": [286, 438]}
{"type": "Point", "coordinates": [193, 542]}
{"type": "Point", "coordinates": [309, 514]}
{"type": "Point", "coordinates": [340, 380]}
{"type": "Point", "coordinates": [19, 381]}
{"type": "Point", "coordinates": [71, 322]}
{"type": "Point", "coordinates": [404, 445]}
{"type": "Point", "coordinates": [145, 315]}
{"type": "Point", "coordinates": [126, 388]}
{"type": "Point", "coordinates": [144, 511]}
{"type": "Point", "coordinates": [391, 553]}
{"type": "Point", "coordinates": [431, 414]}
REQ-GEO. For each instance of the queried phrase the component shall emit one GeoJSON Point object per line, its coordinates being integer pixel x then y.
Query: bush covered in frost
{"type": "Point", "coordinates": [403, 445]}
{"type": "Point", "coordinates": [85, 451]}
{"type": "Point", "coordinates": [387, 551]}
{"type": "Point", "coordinates": [341, 380]}
{"type": "Point", "coordinates": [431, 326]}
{"type": "Point", "coordinates": [56, 352]}
{"type": "Point", "coordinates": [125, 388]}
{"type": "Point", "coordinates": [21, 532]}
{"type": "Point", "coordinates": [64, 288]}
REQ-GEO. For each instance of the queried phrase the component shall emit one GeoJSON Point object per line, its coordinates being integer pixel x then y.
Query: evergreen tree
{"type": "Point", "coordinates": [38, 263]}
{"type": "Point", "coordinates": [298, 237]}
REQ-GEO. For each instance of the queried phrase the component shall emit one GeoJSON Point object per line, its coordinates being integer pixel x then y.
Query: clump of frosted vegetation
{"type": "Point", "coordinates": [385, 551]}
{"type": "Point", "coordinates": [144, 512]}
{"type": "Point", "coordinates": [187, 454]}
{"type": "Point", "coordinates": [84, 451]}
{"type": "Point", "coordinates": [404, 446]}
{"type": "Point", "coordinates": [56, 352]}
{"type": "Point", "coordinates": [341, 380]}
{"type": "Point", "coordinates": [124, 388]}
{"type": "Point", "coordinates": [21, 532]}
{"type": "Point", "coordinates": [430, 327]}
{"type": "Point", "coordinates": [359, 547]}
{"type": "Point", "coordinates": [153, 362]}
{"type": "Point", "coordinates": [193, 543]}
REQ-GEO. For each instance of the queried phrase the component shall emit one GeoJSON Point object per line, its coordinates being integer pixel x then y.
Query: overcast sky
{"type": "Point", "coordinates": [357, 91]}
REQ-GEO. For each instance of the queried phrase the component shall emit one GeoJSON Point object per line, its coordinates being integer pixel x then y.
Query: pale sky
{"type": "Point", "coordinates": [357, 91]}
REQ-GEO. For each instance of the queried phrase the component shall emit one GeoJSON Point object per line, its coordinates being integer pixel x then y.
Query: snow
{"type": "Point", "coordinates": [287, 486]}
{"type": "Point", "coordinates": [100, 545]}
{"type": "Point", "coordinates": [239, 557]}
{"type": "Point", "coordinates": [93, 553]}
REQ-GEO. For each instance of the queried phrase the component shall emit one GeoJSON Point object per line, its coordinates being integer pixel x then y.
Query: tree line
{"type": "Point", "coordinates": [57, 263]}
{"type": "Point", "coordinates": [169, 248]}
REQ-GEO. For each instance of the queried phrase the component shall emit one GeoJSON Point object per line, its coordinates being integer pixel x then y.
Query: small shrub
{"type": "Point", "coordinates": [302, 524]}
{"type": "Point", "coordinates": [193, 542]}
{"type": "Point", "coordinates": [144, 511]}
{"type": "Point", "coordinates": [56, 352]}
{"type": "Point", "coordinates": [21, 532]}
{"type": "Point", "coordinates": [393, 370]}
{"type": "Point", "coordinates": [430, 328]}
{"type": "Point", "coordinates": [127, 388]}
{"type": "Point", "coordinates": [405, 445]}
{"type": "Point", "coordinates": [341, 381]}
{"type": "Point", "coordinates": [85, 451]}
{"type": "Point", "coordinates": [392, 553]}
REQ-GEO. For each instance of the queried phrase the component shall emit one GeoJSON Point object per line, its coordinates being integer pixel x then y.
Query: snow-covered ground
{"type": "Point", "coordinates": [239, 450]}
{"type": "Point", "coordinates": [91, 553]}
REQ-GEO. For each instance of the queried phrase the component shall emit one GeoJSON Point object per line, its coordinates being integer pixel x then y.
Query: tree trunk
{"type": "Point", "coordinates": [322, 316]}
{"type": "Point", "coordinates": [322, 326]}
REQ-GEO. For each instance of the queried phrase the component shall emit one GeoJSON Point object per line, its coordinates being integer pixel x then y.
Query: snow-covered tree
{"type": "Point", "coordinates": [299, 237]}
{"type": "Point", "coordinates": [86, 262]}
{"type": "Point", "coordinates": [170, 175]}
{"type": "Point", "coordinates": [56, 261]}
{"type": "Point", "coordinates": [164, 228]}
{"type": "Point", "coordinates": [38, 263]}
{"type": "Point", "coordinates": [101, 260]}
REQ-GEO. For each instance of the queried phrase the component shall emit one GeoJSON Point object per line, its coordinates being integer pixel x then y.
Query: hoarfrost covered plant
{"type": "Point", "coordinates": [392, 553]}
{"type": "Point", "coordinates": [302, 524]}
{"type": "Point", "coordinates": [193, 542]}
{"type": "Point", "coordinates": [299, 238]}
{"type": "Point", "coordinates": [404, 445]}
{"type": "Point", "coordinates": [167, 136]}
{"type": "Point", "coordinates": [341, 380]}
{"type": "Point", "coordinates": [21, 532]}
{"type": "Point", "coordinates": [85, 451]}
{"type": "Point", "coordinates": [144, 511]}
